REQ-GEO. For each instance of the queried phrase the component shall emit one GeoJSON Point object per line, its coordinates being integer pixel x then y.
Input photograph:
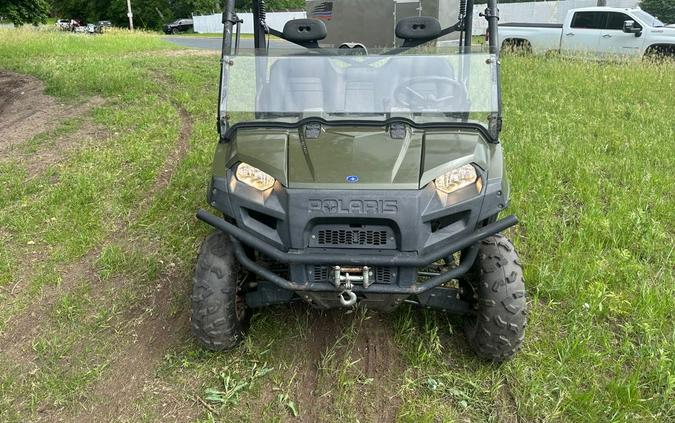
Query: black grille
{"type": "Point", "coordinates": [351, 237]}
{"type": "Point", "coordinates": [346, 236]}
{"type": "Point", "coordinates": [321, 274]}
{"type": "Point", "coordinates": [381, 274]}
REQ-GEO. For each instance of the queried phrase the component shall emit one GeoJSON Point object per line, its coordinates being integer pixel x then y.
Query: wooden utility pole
{"type": "Point", "coordinates": [130, 15]}
{"type": "Point", "coordinates": [602, 2]}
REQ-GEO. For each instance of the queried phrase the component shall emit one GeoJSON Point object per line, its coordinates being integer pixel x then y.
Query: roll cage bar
{"type": "Point", "coordinates": [464, 26]}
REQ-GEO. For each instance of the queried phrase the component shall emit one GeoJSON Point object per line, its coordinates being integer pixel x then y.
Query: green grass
{"type": "Point", "coordinates": [589, 148]}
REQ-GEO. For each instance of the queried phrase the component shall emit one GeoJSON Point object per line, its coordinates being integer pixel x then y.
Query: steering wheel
{"type": "Point", "coordinates": [430, 92]}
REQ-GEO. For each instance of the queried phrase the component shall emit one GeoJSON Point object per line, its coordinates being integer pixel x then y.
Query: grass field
{"type": "Point", "coordinates": [98, 240]}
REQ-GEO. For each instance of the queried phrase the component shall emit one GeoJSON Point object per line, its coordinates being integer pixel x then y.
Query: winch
{"type": "Point", "coordinates": [343, 277]}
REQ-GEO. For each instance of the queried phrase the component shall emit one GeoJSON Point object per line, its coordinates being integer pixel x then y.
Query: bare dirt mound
{"type": "Point", "coordinates": [26, 111]}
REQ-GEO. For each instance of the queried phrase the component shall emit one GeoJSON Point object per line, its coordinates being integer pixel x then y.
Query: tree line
{"type": "Point", "coordinates": [150, 14]}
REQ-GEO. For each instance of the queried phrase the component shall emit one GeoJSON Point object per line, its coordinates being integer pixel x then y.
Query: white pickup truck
{"type": "Point", "coordinates": [602, 31]}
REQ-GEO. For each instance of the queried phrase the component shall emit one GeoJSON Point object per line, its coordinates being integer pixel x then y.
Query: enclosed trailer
{"type": "Point", "coordinates": [348, 21]}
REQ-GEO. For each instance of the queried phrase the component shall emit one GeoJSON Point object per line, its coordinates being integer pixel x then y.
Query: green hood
{"type": "Point", "coordinates": [354, 158]}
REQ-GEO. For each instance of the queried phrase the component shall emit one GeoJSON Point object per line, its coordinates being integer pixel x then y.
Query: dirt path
{"type": "Point", "coordinates": [381, 362]}
{"type": "Point", "coordinates": [36, 162]}
{"type": "Point", "coordinates": [153, 333]}
{"type": "Point", "coordinates": [324, 330]}
{"type": "Point", "coordinates": [25, 110]}
{"type": "Point", "coordinates": [360, 344]}
{"type": "Point", "coordinates": [174, 158]}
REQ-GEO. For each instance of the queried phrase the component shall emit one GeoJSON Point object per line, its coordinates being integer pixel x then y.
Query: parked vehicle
{"type": "Point", "coordinates": [343, 178]}
{"type": "Point", "coordinates": [601, 31]}
{"type": "Point", "coordinates": [80, 29]}
{"type": "Point", "coordinates": [179, 25]}
{"type": "Point", "coordinates": [77, 26]}
{"type": "Point", "coordinates": [63, 24]}
{"type": "Point", "coordinates": [102, 25]}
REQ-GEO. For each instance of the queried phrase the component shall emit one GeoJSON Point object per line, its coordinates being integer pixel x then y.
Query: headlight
{"type": "Point", "coordinates": [254, 177]}
{"type": "Point", "coordinates": [459, 178]}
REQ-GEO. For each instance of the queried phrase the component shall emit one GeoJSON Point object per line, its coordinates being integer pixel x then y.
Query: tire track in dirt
{"type": "Point", "coordinates": [325, 327]}
{"type": "Point", "coordinates": [26, 111]}
{"type": "Point", "coordinates": [89, 134]}
{"type": "Point", "coordinates": [371, 347]}
{"type": "Point", "coordinates": [153, 334]}
{"type": "Point", "coordinates": [506, 407]}
{"type": "Point", "coordinates": [171, 163]}
{"type": "Point", "coordinates": [84, 268]}
{"type": "Point", "coordinates": [381, 362]}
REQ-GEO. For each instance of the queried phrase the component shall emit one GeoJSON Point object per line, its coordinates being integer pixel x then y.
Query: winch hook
{"type": "Point", "coordinates": [348, 301]}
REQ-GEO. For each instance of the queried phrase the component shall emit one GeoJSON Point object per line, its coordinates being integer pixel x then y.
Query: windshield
{"type": "Point", "coordinates": [649, 19]}
{"type": "Point", "coordinates": [422, 87]}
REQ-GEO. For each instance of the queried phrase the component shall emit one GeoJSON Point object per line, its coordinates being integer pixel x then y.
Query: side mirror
{"type": "Point", "coordinates": [629, 27]}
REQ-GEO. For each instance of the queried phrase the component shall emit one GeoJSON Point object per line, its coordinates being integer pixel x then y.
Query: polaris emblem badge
{"type": "Point", "coordinates": [352, 179]}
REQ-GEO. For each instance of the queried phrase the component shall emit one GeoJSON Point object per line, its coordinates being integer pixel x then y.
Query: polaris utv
{"type": "Point", "coordinates": [350, 177]}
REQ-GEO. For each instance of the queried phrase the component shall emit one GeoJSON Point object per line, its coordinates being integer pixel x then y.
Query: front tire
{"type": "Point", "coordinates": [497, 292]}
{"type": "Point", "coordinates": [219, 312]}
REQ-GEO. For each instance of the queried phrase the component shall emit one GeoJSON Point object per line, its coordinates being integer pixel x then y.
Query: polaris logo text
{"type": "Point", "coordinates": [354, 206]}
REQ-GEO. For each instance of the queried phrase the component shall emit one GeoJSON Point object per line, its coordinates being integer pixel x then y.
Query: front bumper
{"type": "Point", "coordinates": [396, 233]}
{"type": "Point", "coordinates": [399, 259]}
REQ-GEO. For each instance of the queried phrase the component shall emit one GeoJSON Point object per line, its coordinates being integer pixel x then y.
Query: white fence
{"type": "Point", "coordinates": [536, 12]}
{"type": "Point", "coordinates": [541, 11]}
{"type": "Point", "coordinates": [213, 23]}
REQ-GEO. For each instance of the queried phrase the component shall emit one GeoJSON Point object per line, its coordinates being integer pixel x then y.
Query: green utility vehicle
{"type": "Point", "coordinates": [349, 176]}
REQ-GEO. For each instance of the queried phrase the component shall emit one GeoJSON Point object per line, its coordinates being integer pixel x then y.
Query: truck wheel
{"type": "Point", "coordinates": [516, 46]}
{"type": "Point", "coordinates": [660, 53]}
{"type": "Point", "coordinates": [219, 312]}
{"type": "Point", "coordinates": [496, 290]}
{"type": "Point", "coordinates": [174, 31]}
